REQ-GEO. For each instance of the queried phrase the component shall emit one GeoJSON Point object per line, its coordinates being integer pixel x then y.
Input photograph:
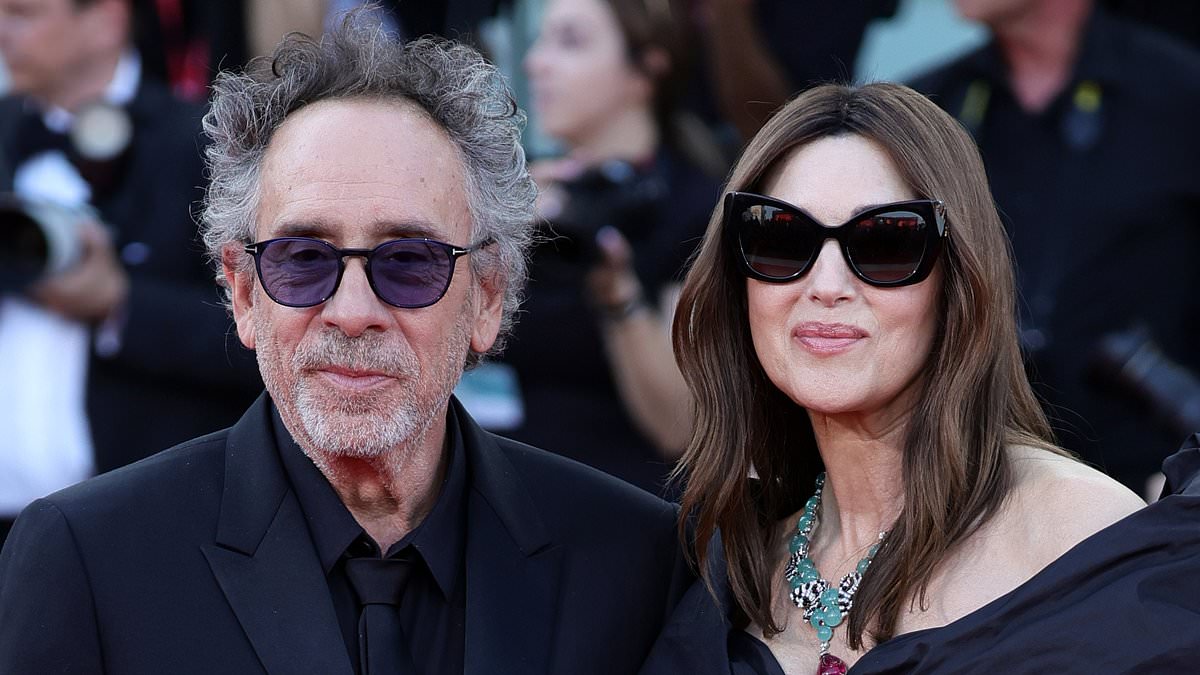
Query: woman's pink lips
{"type": "Point", "coordinates": [828, 338]}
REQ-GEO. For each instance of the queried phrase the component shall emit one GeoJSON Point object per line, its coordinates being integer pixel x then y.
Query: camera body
{"type": "Point", "coordinates": [38, 239]}
{"type": "Point", "coordinates": [614, 193]}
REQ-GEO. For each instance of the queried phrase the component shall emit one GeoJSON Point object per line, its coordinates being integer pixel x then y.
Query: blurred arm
{"type": "Point", "coordinates": [637, 338]}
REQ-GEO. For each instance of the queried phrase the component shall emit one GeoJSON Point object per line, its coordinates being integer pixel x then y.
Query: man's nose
{"type": "Point", "coordinates": [354, 307]}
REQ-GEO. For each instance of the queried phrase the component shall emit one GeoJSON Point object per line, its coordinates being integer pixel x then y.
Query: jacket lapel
{"type": "Point", "coordinates": [513, 568]}
{"type": "Point", "coordinates": [265, 562]}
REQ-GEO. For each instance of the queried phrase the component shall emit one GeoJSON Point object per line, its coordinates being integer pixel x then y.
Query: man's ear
{"type": "Point", "coordinates": [240, 278]}
{"type": "Point", "coordinates": [489, 309]}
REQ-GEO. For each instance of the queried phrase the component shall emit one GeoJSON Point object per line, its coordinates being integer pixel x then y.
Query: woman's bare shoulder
{"type": "Point", "coordinates": [1064, 501]}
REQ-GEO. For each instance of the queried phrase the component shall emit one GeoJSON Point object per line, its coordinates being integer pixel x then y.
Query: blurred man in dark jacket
{"type": "Point", "coordinates": [105, 356]}
{"type": "Point", "coordinates": [1087, 128]}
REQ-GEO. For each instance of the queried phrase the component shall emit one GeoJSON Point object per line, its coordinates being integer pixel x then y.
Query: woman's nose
{"type": "Point", "coordinates": [830, 281]}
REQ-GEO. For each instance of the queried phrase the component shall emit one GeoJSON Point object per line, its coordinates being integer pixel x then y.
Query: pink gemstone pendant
{"type": "Point", "coordinates": [831, 665]}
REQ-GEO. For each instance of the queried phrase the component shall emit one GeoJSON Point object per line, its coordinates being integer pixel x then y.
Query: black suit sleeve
{"type": "Point", "coordinates": [47, 614]}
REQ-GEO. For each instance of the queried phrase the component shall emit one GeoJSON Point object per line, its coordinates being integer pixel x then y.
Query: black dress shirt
{"type": "Point", "coordinates": [433, 613]}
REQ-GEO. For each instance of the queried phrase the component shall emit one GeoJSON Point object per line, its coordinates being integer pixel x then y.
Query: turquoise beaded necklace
{"type": "Point", "coordinates": [824, 606]}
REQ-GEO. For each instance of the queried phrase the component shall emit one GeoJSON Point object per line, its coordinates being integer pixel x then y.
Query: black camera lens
{"type": "Point", "coordinates": [24, 250]}
{"type": "Point", "coordinates": [37, 239]}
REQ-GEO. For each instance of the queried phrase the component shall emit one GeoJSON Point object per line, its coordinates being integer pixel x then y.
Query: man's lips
{"type": "Point", "coordinates": [827, 338]}
{"type": "Point", "coordinates": [351, 378]}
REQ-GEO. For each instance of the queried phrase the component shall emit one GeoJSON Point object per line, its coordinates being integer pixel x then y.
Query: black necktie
{"type": "Point", "coordinates": [380, 584]}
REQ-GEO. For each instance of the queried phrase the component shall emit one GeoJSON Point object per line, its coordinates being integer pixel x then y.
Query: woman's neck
{"type": "Point", "coordinates": [863, 478]}
{"type": "Point", "coordinates": [632, 135]}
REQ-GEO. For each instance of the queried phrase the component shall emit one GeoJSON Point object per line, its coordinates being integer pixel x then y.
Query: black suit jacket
{"type": "Point", "coordinates": [198, 560]}
{"type": "Point", "coordinates": [181, 371]}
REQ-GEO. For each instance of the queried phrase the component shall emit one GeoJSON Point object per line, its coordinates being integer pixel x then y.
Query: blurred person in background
{"type": "Point", "coordinates": [626, 204]}
{"type": "Point", "coordinates": [125, 350]}
{"type": "Point", "coordinates": [1087, 129]}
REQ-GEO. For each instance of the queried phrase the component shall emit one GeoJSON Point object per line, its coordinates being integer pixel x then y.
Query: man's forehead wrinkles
{"type": "Point", "coordinates": [380, 212]}
{"type": "Point", "coordinates": [378, 229]}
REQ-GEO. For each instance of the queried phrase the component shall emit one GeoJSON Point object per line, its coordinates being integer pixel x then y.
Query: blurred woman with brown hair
{"type": "Point", "coordinates": [626, 205]}
{"type": "Point", "coordinates": [848, 334]}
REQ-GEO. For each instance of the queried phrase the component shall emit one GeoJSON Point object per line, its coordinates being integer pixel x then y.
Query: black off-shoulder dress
{"type": "Point", "coordinates": [1125, 600]}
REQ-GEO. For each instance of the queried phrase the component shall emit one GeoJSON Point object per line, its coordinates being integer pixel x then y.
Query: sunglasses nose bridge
{"type": "Point", "coordinates": [355, 305]}
{"type": "Point", "coordinates": [829, 270]}
{"type": "Point", "coordinates": [827, 239]}
{"type": "Point", "coordinates": [344, 267]}
{"type": "Point", "coordinates": [364, 256]}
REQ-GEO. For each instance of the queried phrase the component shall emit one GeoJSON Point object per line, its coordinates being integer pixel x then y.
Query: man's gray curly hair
{"type": "Point", "coordinates": [459, 90]}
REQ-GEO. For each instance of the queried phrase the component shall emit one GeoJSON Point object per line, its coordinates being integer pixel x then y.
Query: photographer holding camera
{"type": "Point", "coordinates": [625, 206]}
{"type": "Point", "coordinates": [107, 309]}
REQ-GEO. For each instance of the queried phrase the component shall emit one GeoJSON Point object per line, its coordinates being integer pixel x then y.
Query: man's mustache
{"type": "Point", "coordinates": [370, 351]}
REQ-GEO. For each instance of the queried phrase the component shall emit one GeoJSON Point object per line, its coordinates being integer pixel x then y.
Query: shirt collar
{"type": "Point", "coordinates": [125, 80]}
{"type": "Point", "coordinates": [440, 538]}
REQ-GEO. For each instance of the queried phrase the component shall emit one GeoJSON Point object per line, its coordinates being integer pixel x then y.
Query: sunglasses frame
{"type": "Point", "coordinates": [931, 210]}
{"type": "Point", "coordinates": [453, 254]}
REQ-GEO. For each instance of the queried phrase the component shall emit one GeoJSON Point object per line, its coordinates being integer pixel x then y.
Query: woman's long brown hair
{"type": "Point", "coordinates": [974, 402]}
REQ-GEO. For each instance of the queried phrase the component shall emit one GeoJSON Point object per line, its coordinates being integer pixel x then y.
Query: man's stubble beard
{"type": "Point", "coordinates": [326, 422]}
